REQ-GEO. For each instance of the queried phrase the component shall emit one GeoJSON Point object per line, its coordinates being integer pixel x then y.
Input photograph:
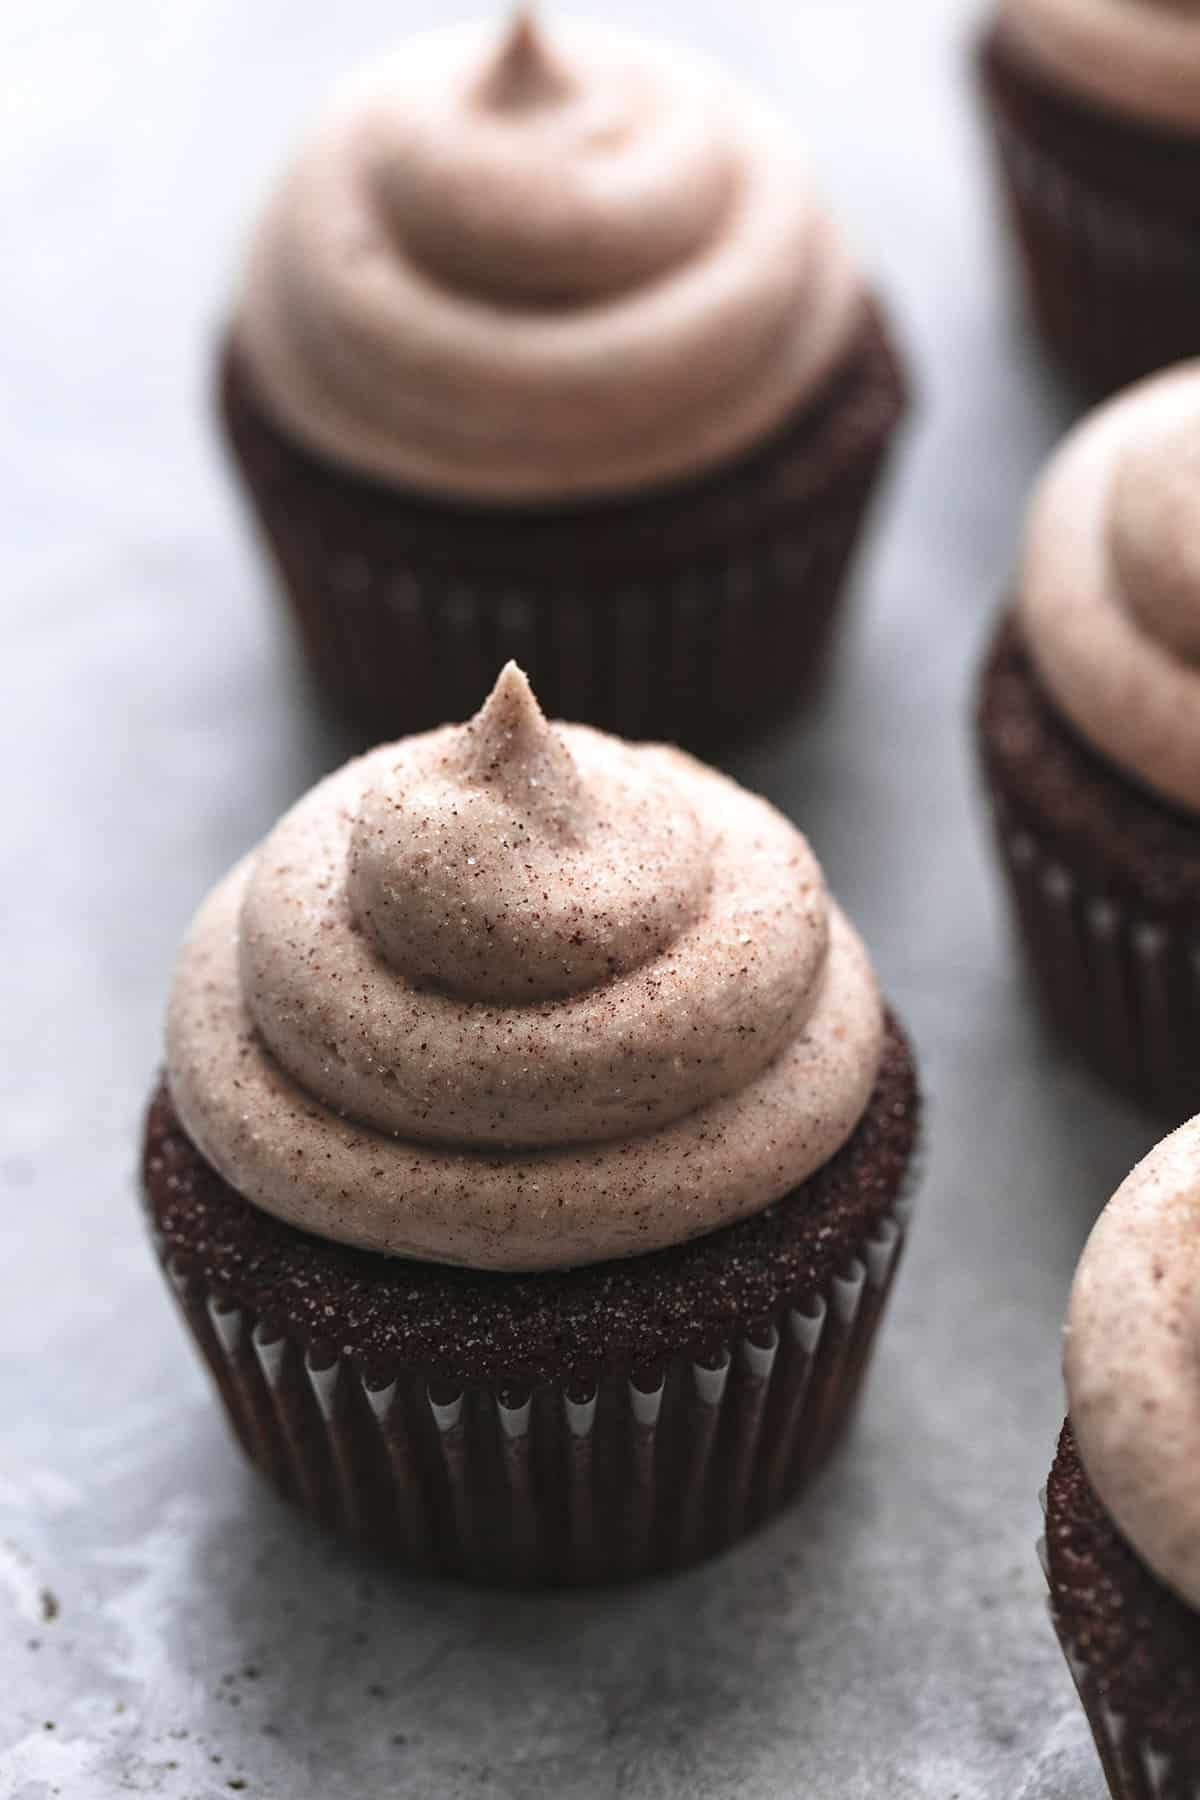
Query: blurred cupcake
{"type": "Point", "coordinates": [1095, 111]}
{"type": "Point", "coordinates": [548, 349]}
{"type": "Point", "coordinates": [1089, 727]}
{"type": "Point", "coordinates": [1122, 1545]}
{"type": "Point", "coordinates": [532, 1158]}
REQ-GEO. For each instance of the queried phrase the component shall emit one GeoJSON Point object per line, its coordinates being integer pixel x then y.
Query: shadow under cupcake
{"type": "Point", "coordinates": [534, 1153]}
{"type": "Point", "coordinates": [548, 350]}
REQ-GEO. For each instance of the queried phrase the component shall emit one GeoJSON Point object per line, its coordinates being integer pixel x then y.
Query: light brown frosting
{"type": "Point", "coordinates": [565, 266]}
{"type": "Point", "coordinates": [1140, 56]}
{"type": "Point", "coordinates": [515, 995]}
{"type": "Point", "coordinates": [1110, 582]}
{"type": "Point", "coordinates": [1133, 1359]}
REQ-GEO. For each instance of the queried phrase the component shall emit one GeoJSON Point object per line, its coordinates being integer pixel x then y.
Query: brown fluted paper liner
{"type": "Point", "coordinates": [568, 1484]}
{"type": "Point", "coordinates": [1134, 1768]}
{"type": "Point", "coordinates": [1122, 989]}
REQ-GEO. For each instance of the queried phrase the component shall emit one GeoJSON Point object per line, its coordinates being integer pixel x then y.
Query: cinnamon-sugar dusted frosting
{"type": "Point", "coordinates": [515, 995]}
{"type": "Point", "coordinates": [568, 264]}
{"type": "Point", "coordinates": [1110, 582]}
{"type": "Point", "coordinates": [1140, 56]}
{"type": "Point", "coordinates": [1133, 1359]}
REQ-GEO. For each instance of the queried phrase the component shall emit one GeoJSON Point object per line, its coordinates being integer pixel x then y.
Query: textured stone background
{"type": "Point", "coordinates": [167, 1628]}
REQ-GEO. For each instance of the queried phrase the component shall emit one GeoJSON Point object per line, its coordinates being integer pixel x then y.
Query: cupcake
{"type": "Point", "coordinates": [1089, 729]}
{"type": "Point", "coordinates": [1122, 1548]}
{"type": "Point", "coordinates": [546, 348]}
{"type": "Point", "coordinates": [1094, 108]}
{"type": "Point", "coordinates": [533, 1154]}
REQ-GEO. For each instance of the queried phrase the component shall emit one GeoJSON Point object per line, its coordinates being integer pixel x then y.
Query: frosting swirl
{"type": "Point", "coordinates": [517, 995]}
{"type": "Point", "coordinates": [1132, 1359]}
{"type": "Point", "coordinates": [1140, 56]}
{"type": "Point", "coordinates": [547, 270]}
{"type": "Point", "coordinates": [1110, 582]}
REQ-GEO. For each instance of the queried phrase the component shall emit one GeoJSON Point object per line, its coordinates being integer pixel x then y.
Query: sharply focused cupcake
{"type": "Point", "coordinates": [1095, 109]}
{"type": "Point", "coordinates": [547, 348]}
{"type": "Point", "coordinates": [1089, 727]}
{"type": "Point", "coordinates": [533, 1152]}
{"type": "Point", "coordinates": [1123, 1502]}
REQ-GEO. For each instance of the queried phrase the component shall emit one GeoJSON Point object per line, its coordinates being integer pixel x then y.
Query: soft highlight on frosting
{"type": "Point", "coordinates": [1140, 56]}
{"type": "Point", "coordinates": [1132, 1359]}
{"type": "Point", "coordinates": [1110, 582]}
{"type": "Point", "coordinates": [566, 264]}
{"type": "Point", "coordinates": [519, 995]}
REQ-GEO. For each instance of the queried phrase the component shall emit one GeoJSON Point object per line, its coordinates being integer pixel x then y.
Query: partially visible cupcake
{"type": "Point", "coordinates": [1089, 729]}
{"type": "Point", "coordinates": [546, 348]}
{"type": "Point", "coordinates": [533, 1155]}
{"type": "Point", "coordinates": [1123, 1503]}
{"type": "Point", "coordinates": [1095, 111]}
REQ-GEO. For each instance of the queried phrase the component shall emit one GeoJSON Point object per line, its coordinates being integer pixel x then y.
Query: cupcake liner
{"type": "Point", "coordinates": [1113, 277]}
{"type": "Point", "coordinates": [1134, 1767]}
{"type": "Point", "coordinates": [692, 613]}
{"type": "Point", "coordinates": [597, 1478]}
{"type": "Point", "coordinates": [1129, 1643]}
{"type": "Point", "coordinates": [1119, 984]}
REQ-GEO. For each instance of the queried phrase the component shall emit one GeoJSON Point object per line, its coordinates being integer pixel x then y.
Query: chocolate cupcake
{"type": "Point", "coordinates": [1089, 729]}
{"type": "Point", "coordinates": [533, 1154]}
{"type": "Point", "coordinates": [549, 350]}
{"type": "Point", "coordinates": [1095, 112]}
{"type": "Point", "coordinates": [1122, 1547]}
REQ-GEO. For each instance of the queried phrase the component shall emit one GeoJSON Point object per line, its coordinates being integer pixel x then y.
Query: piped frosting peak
{"type": "Point", "coordinates": [490, 869]}
{"type": "Point", "coordinates": [524, 73]}
{"type": "Point", "coordinates": [516, 994]}
{"type": "Point", "coordinates": [510, 746]}
{"type": "Point", "coordinates": [568, 263]}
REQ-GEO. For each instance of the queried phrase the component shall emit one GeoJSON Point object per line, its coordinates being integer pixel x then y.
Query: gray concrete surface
{"type": "Point", "coordinates": [168, 1628]}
